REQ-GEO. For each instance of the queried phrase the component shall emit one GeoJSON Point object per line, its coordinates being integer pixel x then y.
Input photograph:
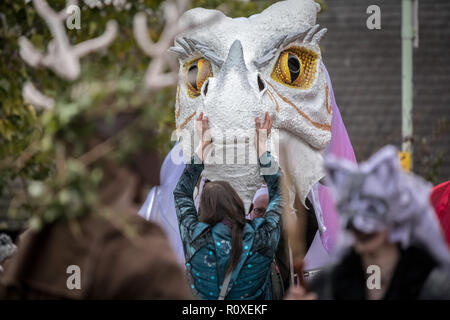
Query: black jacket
{"type": "Point", "coordinates": [416, 276]}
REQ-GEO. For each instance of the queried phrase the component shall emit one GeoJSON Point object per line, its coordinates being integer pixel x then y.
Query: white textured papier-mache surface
{"type": "Point", "coordinates": [240, 50]}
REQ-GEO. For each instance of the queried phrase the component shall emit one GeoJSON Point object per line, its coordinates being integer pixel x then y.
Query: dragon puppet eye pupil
{"type": "Point", "coordinates": [294, 66]}
{"type": "Point", "coordinates": [197, 72]}
{"type": "Point", "coordinates": [192, 75]}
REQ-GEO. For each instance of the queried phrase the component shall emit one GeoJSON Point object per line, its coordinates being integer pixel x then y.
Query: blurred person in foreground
{"type": "Point", "coordinates": [98, 256]}
{"type": "Point", "coordinates": [391, 246]}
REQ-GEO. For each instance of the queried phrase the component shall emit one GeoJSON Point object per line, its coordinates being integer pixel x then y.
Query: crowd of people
{"type": "Point", "coordinates": [388, 225]}
{"type": "Point", "coordinates": [391, 244]}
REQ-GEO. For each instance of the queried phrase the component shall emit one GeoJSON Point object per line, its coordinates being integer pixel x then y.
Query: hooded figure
{"type": "Point", "coordinates": [391, 245]}
{"type": "Point", "coordinates": [101, 261]}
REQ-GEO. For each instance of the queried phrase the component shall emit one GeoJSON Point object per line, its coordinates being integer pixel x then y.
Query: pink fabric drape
{"type": "Point", "coordinates": [340, 146]}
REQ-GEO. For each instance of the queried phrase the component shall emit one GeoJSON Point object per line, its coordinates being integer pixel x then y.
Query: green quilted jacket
{"type": "Point", "coordinates": [207, 248]}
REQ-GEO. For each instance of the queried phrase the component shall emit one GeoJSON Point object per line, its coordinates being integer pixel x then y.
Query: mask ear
{"type": "Point", "coordinates": [383, 169]}
{"type": "Point", "coordinates": [339, 172]}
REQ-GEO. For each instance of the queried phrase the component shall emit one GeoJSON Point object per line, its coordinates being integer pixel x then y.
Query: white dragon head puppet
{"type": "Point", "coordinates": [234, 70]}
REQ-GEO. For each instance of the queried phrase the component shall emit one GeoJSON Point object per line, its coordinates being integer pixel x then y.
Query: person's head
{"type": "Point", "coordinates": [385, 204]}
{"type": "Point", "coordinates": [220, 201]}
{"type": "Point", "coordinates": [259, 203]}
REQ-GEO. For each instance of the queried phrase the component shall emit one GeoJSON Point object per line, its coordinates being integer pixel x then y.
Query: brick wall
{"type": "Point", "coordinates": [365, 68]}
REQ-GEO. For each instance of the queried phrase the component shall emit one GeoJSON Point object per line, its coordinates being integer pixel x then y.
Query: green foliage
{"type": "Point", "coordinates": [18, 121]}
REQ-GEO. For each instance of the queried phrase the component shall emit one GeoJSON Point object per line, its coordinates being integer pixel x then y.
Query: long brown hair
{"type": "Point", "coordinates": [220, 201]}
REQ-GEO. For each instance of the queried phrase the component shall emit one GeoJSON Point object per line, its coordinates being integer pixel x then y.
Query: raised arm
{"type": "Point", "coordinates": [271, 221]}
{"type": "Point", "coordinates": [183, 193]}
{"type": "Point", "coordinates": [268, 228]}
{"type": "Point", "coordinates": [184, 199]}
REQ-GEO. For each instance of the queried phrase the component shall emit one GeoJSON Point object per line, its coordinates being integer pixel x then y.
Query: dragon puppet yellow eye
{"type": "Point", "coordinates": [196, 73]}
{"type": "Point", "coordinates": [295, 67]}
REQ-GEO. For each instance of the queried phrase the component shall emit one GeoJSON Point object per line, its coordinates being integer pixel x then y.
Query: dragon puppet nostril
{"type": "Point", "coordinates": [205, 88]}
{"type": "Point", "coordinates": [261, 84]}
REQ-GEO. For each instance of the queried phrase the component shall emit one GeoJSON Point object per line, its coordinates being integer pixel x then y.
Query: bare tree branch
{"type": "Point", "coordinates": [36, 98]}
{"type": "Point", "coordinates": [155, 76]}
{"type": "Point", "coordinates": [98, 43]}
{"type": "Point", "coordinates": [61, 56]}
